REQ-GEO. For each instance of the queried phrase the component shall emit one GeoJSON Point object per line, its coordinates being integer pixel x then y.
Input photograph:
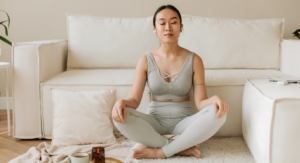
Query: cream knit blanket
{"type": "Point", "coordinates": [46, 153]}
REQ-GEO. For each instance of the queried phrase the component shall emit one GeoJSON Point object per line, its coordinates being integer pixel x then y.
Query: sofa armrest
{"type": "Point", "coordinates": [32, 63]}
{"type": "Point", "coordinates": [290, 57]}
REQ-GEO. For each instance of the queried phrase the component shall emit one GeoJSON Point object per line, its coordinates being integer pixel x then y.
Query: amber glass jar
{"type": "Point", "coordinates": [98, 155]}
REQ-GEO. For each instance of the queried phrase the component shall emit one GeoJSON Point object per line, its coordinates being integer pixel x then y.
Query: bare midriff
{"type": "Point", "coordinates": [174, 100]}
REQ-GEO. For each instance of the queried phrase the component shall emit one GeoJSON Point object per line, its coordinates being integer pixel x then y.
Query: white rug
{"type": "Point", "coordinates": [214, 150]}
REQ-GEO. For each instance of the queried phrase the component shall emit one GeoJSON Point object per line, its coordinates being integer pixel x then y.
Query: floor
{"type": "Point", "coordinates": [11, 147]}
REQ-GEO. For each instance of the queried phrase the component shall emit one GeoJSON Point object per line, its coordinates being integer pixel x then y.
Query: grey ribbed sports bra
{"type": "Point", "coordinates": [179, 88]}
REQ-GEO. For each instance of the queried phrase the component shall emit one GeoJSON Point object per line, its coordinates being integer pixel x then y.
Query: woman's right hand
{"type": "Point", "coordinates": [118, 111]}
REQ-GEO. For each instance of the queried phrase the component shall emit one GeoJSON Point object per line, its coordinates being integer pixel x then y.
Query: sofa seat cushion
{"type": "Point", "coordinates": [237, 76]}
{"type": "Point", "coordinates": [126, 76]}
{"type": "Point", "coordinates": [218, 82]}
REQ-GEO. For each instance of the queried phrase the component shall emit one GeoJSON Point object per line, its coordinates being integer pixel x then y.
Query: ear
{"type": "Point", "coordinates": [154, 28]}
{"type": "Point", "coordinates": [181, 27]}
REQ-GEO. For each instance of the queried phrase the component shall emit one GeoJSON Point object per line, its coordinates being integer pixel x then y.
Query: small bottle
{"type": "Point", "coordinates": [98, 155]}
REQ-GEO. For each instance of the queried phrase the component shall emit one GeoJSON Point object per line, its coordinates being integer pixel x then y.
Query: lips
{"type": "Point", "coordinates": [168, 34]}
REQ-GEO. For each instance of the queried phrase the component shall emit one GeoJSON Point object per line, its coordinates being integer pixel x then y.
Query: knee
{"type": "Point", "coordinates": [220, 120]}
{"type": "Point", "coordinates": [120, 125]}
{"type": "Point", "coordinates": [210, 109]}
{"type": "Point", "coordinates": [129, 113]}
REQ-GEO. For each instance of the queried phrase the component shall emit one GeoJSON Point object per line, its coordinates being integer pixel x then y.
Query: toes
{"type": "Point", "coordinates": [135, 156]}
{"type": "Point", "coordinates": [136, 151]}
{"type": "Point", "coordinates": [198, 153]}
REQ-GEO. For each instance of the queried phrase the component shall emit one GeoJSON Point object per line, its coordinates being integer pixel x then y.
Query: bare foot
{"type": "Point", "coordinates": [193, 151]}
{"type": "Point", "coordinates": [148, 153]}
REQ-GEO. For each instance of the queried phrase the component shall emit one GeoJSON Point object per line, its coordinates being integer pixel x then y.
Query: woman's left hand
{"type": "Point", "coordinates": [220, 104]}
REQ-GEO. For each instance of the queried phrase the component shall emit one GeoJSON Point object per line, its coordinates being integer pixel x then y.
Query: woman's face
{"type": "Point", "coordinates": [167, 25]}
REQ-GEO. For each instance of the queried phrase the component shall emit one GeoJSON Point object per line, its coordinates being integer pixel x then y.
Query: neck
{"type": "Point", "coordinates": [169, 49]}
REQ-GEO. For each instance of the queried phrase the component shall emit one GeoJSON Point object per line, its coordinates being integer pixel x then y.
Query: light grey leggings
{"type": "Point", "coordinates": [174, 118]}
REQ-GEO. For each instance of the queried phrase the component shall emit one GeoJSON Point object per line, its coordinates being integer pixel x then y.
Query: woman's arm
{"type": "Point", "coordinates": [139, 83]}
{"type": "Point", "coordinates": [136, 92]}
{"type": "Point", "coordinates": [200, 94]}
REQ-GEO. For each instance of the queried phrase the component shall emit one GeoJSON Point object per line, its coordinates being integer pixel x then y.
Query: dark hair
{"type": "Point", "coordinates": [164, 7]}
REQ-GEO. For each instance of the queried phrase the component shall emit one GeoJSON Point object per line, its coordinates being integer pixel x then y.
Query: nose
{"type": "Point", "coordinates": [168, 27]}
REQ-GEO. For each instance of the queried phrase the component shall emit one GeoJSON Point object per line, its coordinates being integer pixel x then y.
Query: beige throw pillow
{"type": "Point", "coordinates": [82, 117]}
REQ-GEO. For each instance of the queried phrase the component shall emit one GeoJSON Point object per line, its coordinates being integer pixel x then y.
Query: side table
{"type": "Point", "coordinates": [5, 65]}
{"type": "Point", "coordinates": [290, 57]}
{"type": "Point", "coordinates": [270, 121]}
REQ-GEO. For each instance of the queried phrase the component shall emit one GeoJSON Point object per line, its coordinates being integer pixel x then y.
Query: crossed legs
{"type": "Point", "coordinates": [194, 129]}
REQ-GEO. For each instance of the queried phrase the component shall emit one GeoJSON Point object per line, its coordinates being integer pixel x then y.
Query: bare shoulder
{"type": "Point", "coordinates": [142, 63]}
{"type": "Point", "coordinates": [197, 63]}
{"type": "Point", "coordinates": [197, 59]}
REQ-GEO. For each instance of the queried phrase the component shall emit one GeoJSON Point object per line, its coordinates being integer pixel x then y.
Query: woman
{"type": "Point", "coordinates": [170, 110]}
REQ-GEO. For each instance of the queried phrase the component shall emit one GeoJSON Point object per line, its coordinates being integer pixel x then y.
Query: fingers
{"type": "Point", "coordinates": [215, 107]}
{"type": "Point", "coordinates": [115, 118]}
{"type": "Point", "coordinates": [120, 116]}
{"type": "Point", "coordinates": [117, 114]}
{"type": "Point", "coordinates": [220, 111]}
{"type": "Point", "coordinates": [223, 109]}
{"type": "Point", "coordinates": [125, 112]}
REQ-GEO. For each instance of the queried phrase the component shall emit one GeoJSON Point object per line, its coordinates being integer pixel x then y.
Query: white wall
{"type": "Point", "coordinates": [33, 20]}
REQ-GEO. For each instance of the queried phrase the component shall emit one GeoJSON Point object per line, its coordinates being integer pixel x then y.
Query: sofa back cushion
{"type": "Point", "coordinates": [105, 42]}
{"type": "Point", "coordinates": [233, 43]}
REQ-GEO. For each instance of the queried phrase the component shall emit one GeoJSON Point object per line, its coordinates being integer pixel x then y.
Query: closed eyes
{"type": "Point", "coordinates": [165, 23]}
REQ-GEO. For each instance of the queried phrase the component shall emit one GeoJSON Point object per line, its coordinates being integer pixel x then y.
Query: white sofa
{"type": "Point", "coordinates": [102, 53]}
{"type": "Point", "coordinates": [270, 124]}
